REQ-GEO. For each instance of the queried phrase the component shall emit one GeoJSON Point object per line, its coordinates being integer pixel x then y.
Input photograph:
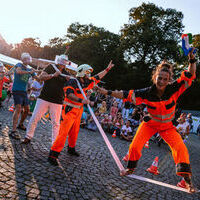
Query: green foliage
{"type": "Point", "coordinates": [151, 35]}
{"type": "Point", "coordinates": [96, 47]}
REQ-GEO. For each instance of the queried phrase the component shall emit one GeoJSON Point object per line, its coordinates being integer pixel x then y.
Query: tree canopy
{"type": "Point", "coordinates": [151, 35]}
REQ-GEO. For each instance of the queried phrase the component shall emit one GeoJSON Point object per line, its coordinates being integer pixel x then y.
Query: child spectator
{"type": "Point", "coordinates": [118, 123]}
{"type": "Point", "coordinates": [126, 132]}
{"type": "Point", "coordinates": [32, 102]}
{"type": "Point", "coordinates": [106, 122]}
{"type": "Point", "coordinates": [103, 108]}
{"type": "Point", "coordinates": [125, 110]}
{"type": "Point", "coordinates": [91, 124]}
{"type": "Point", "coordinates": [183, 127]}
{"type": "Point", "coordinates": [114, 110]}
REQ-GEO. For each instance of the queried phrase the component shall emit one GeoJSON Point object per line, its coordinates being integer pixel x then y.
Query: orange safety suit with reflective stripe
{"type": "Point", "coordinates": [71, 114]}
{"type": "Point", "coordinates": [161, 113]}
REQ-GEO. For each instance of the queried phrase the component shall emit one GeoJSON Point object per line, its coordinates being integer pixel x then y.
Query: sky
{"type": "Point", "coordinates": [46, 19]}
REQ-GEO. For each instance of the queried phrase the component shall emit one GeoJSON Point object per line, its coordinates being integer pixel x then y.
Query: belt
{"type": "Point", "coordinates": [72, 105]}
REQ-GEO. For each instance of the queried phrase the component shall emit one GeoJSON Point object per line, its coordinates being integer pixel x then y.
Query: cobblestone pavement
{"type": "Point", "coordinates": [26, 174]}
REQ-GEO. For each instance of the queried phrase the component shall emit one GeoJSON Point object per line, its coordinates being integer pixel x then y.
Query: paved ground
{"type": "Point", "coordinates": [26, 174]}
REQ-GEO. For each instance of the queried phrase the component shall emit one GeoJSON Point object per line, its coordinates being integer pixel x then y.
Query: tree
{"type": "Point", "coordinates": [30, 45]}
{"type": "Point", "coordinates": [96, 46]}
{"type": "Point", "coordinates": [151, 35]}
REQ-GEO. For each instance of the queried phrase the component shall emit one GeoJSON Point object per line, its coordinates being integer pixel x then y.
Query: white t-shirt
{"type": "Point", "coordinates": [126, 129]}
{"type": "Point", "coordinates": [182, 128]}
{"type": "Point", "coordinates": [38, 86]}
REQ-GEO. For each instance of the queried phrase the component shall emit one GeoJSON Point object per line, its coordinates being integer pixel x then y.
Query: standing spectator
{"type": "Point", "coordinates": [19, 90]}
{"type": "Point", "coordinates": [3, 79]}
{"type": "Point", "coordinates": [35, 90]}
{"type": "Point", "coordinates": [9, 92]}
{"type": "Point", "coordinates": [51, 97]}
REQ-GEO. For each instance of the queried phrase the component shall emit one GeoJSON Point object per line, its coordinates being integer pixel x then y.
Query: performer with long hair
{"type": "Point", "coordinates": [160, 100]}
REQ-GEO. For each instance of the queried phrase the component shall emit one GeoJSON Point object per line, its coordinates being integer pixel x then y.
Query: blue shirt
{"type": "Point", "coordinates": [20, 82]}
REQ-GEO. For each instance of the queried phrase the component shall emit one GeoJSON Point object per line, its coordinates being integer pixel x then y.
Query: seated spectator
{"type": "Point", "coordinates": [117, 123]}
{"type": "Point", "coordinates": [109, 102]}
{"type": "Point", "coordinates": [103, 107]}
{"type": "Point", "coordinates": [125, 110]}
{"type": "Point", "coordinates": [183, 127]}
{"type": "Point", "coordinates": [91, 124]}
{"type": "Point", "coordinates": [114, 110]}
{"type": "Point", "coordinates": [190, 121]}
{"type": "Point", "coordinates": [106, 122]}
{"type": "Point", "coordinates": [120, 104]}
{"type": "Point", "coordinates": [198, 130]}
{"type": "Point", "coordinates": [83, 120]}
{"type": "Point", "coordinates": [126, 132]}
{"type": "Point", "coordinates": [136, 117]}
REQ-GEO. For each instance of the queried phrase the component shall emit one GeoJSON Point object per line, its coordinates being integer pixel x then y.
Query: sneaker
{"type": "Point", "coordinates": [53, 161]}
{"type": "Point", "coordinates": [21, 127]}
{"type": "Point", "coordinates": [72, 152]}
{"type": "Point", "coordinates": [26, 141]}
{"type": "Point", "coordinates": [127, 171]}
{"type": "Point", "coordinates": [15, 135]}
{"type": "Point", "coordinates": [182, 184]}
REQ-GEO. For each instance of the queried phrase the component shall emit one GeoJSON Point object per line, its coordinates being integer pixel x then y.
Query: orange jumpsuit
{"type": "Point", "coordinates": [71, 115]}
{"type": "Point", "coordinates": [161, 113]}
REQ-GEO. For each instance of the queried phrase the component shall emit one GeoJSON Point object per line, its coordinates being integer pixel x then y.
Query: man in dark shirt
{"type": "Point", "coordinates": [51, 97]}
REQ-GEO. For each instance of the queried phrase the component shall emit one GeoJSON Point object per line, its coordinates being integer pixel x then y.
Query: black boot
{"type": "Point", "coordinates": [72, 151]}
{"type": "Point", "coordinates": [53, 157]}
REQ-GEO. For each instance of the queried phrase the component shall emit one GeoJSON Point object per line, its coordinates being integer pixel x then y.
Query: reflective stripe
{"type": "Point", "coordinates": [162, 121]}
{"type": "Point", "coordinates": [163, 117]}
{"type": "Point", "coordinates": [133, 98]}
{"type": "Point", "coordinates": [72, 105]}
{"type": "Point", "coordinates": [186, 84]}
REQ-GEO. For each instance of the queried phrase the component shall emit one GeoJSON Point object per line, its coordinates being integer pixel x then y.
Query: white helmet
{"type": "Point", "coordinates": [83, 70]}
{"type": "Point", "coordinates": [26, 56]}
{"type": "Point", "coordinates": [62, 60]}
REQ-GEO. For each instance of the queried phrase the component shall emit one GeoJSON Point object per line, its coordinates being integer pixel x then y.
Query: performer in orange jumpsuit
{"type": "Point", "coordinates": [160, 100]}
{"type": "Point", "coordinates": [73, 109]}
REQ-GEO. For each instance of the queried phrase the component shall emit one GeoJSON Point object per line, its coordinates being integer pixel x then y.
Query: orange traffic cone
{"type": "Point", "coordinates": [146, 145]}
{"type": "Point", "coordinates": [114, 133]}
{"type": "Point", "coordinates": [12, 108]}
{"type": "Point", "coordinates": [182, 184]}
{"type": "Point", "coordinates": [125, 158]}
{"type": "Point", "coordinates": [154, 167]}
